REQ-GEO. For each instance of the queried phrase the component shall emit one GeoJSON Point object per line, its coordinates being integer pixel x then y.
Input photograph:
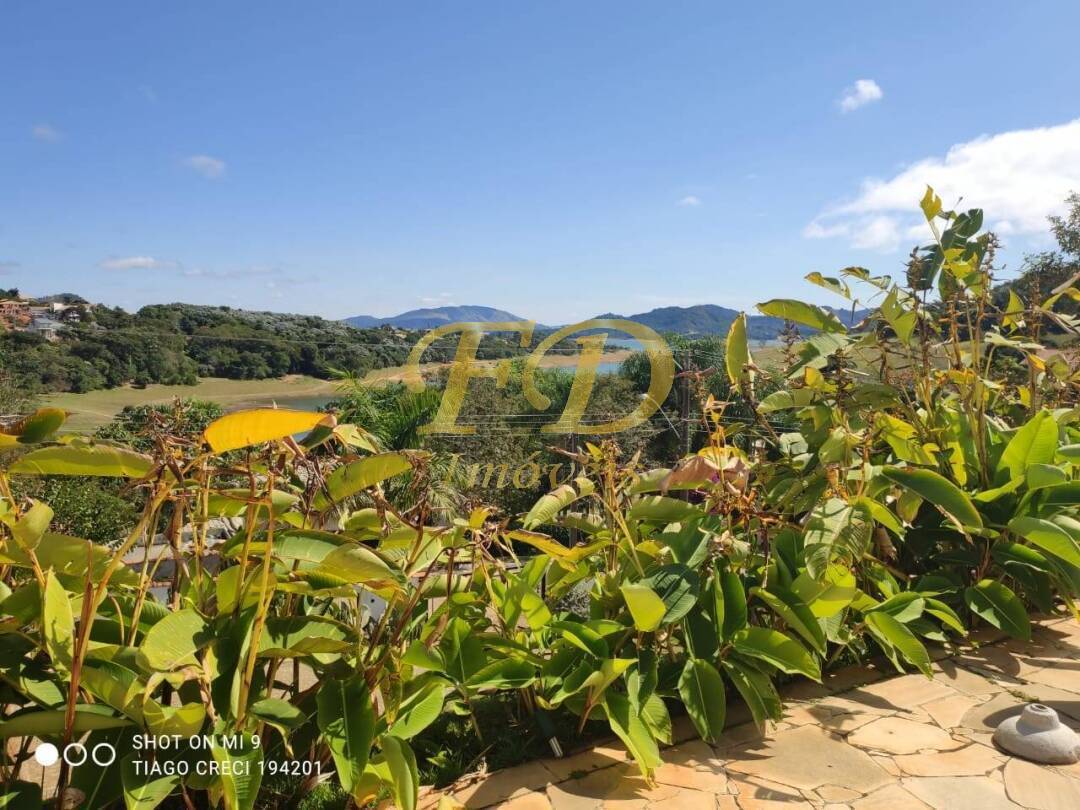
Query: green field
{"type": "Point", "coordinates": [92, 410]}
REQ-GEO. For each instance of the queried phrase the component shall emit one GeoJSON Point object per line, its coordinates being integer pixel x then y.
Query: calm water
{"type": "Point", "coordinates": [309, 403]}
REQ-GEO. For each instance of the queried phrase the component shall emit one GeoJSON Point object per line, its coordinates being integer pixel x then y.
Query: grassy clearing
{"type": "Point", "coordinates": [92, 410]}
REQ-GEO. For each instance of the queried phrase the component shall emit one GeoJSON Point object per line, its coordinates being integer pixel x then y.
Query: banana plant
{"type": "Point", "coordinates": [264, 645]}
{"type": "Point", "coordinates": [292, 596]}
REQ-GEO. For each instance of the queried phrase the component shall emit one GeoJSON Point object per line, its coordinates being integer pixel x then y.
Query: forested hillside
{"type": "Point", "coordinates": [177, 343]}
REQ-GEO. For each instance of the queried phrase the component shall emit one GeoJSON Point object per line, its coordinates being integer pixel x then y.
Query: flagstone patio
{"type": "Point", "coordinates": [860, 741]}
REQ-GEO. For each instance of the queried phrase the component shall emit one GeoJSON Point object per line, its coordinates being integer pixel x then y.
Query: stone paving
{"type": "Point", "coordinates": [860, 741]}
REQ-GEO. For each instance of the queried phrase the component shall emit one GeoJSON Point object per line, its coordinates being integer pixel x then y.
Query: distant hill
{"type": "Point", "coordinates": [702, 319]}
{"type": "Point", "coordinates": [710, 319]}
{"type": "Point", "coordinates": [433, 317]}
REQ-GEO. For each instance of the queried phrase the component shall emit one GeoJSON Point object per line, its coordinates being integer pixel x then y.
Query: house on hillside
{"type": "Point", "coordinates": [45, 326]}
{"type": "Point", "coordinates": [70, 313]}
{"type": "Point", "coordinates": [24, 314]}
{"type": "Point", "coordinates": [14, 314]}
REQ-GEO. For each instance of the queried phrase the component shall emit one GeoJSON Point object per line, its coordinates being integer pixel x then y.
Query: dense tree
{"type": "Point", "coordinates": [1042, 273]}
{"type": "Point", "coordinates": [175, 344]}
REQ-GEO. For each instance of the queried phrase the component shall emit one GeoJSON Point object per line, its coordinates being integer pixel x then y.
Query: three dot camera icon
{"type": "Point", "coordinates": [75, 754]}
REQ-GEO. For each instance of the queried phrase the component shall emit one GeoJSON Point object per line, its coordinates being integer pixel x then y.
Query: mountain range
{"type": "Point", "coordinates": [431, 318]}
{"type": "Point", "coordinates": [703, 319]}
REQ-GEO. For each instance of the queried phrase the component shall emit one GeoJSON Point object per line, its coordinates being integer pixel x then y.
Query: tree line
{"type": "Point", "coordinates": [175, 344]}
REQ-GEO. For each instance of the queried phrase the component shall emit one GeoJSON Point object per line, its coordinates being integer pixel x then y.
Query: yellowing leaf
{"type": "Point", "coordinates": [142, 792]}
{"type": "Point", "coordinates": [99, 460]}
{"type": "Point", "coordinates": [541, 542]}
{"type": "Point", "coordinates": [646, 607]}
{"type": "Point", "coordinates": [930, 204]}
{"type": "Point", "coordinates": [400, 765]}
{"type": "Point", "coordinates": [903, 439]}
{"type": "Point", "coordinates": [32, 525]}
{"type": "Point", "coordinates": [545, 509]}
{"type": "Point", "coordinates": [36, 427]}
{"type": "Point", "coordinates": [1014, 311]}
{"type": "Point", "coordinates": [58, 624]}
{"type": "Point", "coordinates": [51, 722]}
{"type": "Point", "coordinates": [357, 564]}
{"type": "Point", "coordinates": [355, 476]}
{"type": "Point", "coordinates": [569, 557]}
{"type": "Point", "coordinates": [258, 425]}
{"type": "Point", "coordinates": [173, 641]}
{"type": "Point", "coordinates": [806, 314]}
{"type": "Point", "coordinates": [829, 283]}
{"type": "Point", "coordinates": [1049, 537]}
{"type": "Point", "coordinates": [737, 352]}
{"type": "Point", "coordinates": [899, 315]}
{"type": "Point", "coordinates": [241, 772]}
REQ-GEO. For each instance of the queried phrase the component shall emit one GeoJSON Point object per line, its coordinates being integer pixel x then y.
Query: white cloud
{"type": "Point", "coordinates": [1018, 178]}
{"type": "Point", "coordinates": [877, 233]}
{"type": "Point", "coordinates": [690, 201]}
{"type": "Point", "coordinates": [870, 233]}
{"type": "Point", "coordinates": [135, 263]}
{"type": "Point", "coordinates": [46, 133]}
{"type": "Point", "coordinates": [863, 92]}
{"type": "Point", "coordinates": [815, 230]}
{"type": "Point", "coordinates": [209, 167]}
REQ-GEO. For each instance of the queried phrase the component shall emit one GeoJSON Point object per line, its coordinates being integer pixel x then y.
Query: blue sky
{"type": "Point", "coordinates": [558, 159]}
